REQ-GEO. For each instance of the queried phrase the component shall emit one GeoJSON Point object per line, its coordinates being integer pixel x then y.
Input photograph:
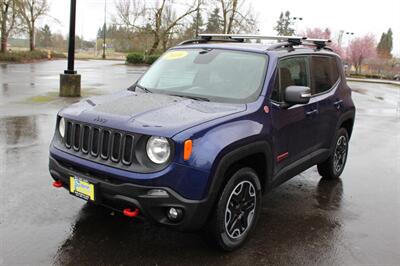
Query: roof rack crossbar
{"type": "Point", "coordinates": [283, 41]}
{"type": "Point", "coordinates": [319, 43]}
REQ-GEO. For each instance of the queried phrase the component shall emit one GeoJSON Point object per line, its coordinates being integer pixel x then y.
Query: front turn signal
{"type": "Point", "coordinates": [187, 149]}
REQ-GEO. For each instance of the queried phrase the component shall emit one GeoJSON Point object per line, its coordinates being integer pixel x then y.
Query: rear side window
{"type": "Point", "coordinates": [324, 73]}
{"type": "Point", "coordinates": [292, 71]}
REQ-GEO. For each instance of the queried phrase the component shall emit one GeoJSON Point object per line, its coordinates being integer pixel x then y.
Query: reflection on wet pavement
{"type": "Point", "coordinates": [287, 224]}
{"type": "Point", "coordinates": [306, 221]}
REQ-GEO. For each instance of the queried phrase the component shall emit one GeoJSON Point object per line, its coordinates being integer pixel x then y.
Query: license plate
{"type": "Point", "coordinates": [81, 188]}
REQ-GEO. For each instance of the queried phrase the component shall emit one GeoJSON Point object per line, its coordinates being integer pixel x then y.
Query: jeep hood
{"type": "Point", "coordinates": [148, 113]}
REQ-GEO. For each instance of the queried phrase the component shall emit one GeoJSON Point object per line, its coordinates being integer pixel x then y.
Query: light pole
{"type": "Point", "coordinates": [197, 18]}
{"type": "Point", "coordinates": [296, 20]}
{"type": "Point", "coordinates": [71, 42]}
{"type": "Point", "coordinates": [70, 81]}
{"type": "Point", "coordinates": [104, 29]}
{"type": "Point", "coordinates": [349, 35]}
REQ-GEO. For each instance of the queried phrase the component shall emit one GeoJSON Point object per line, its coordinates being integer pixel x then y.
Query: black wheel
{"type": "Point", "coordinates": [237, 210]}
{"type": "Point", "coordinates": [334, 165]}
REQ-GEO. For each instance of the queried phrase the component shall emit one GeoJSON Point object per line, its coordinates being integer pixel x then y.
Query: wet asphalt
{"type": "Point", "coordinates": [306, 221]}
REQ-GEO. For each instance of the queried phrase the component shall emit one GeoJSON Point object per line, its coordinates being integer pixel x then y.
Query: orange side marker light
{"type": "Point", "coordinates": [187, 149]}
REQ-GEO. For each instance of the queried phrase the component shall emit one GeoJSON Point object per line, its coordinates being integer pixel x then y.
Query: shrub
{"type": "Point", "coordinates": [152, 58]}
{"type": "Point", "coordinates": [368, 76]}
{"type": "Point", "coordinates": [135, 58]}
{"type": "Point", "coordinates": [27, 56]}
{"type": "Point", "coordinates": [139, 58]}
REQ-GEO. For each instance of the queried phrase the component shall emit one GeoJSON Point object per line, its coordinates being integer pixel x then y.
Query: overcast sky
{"type": "Point", "coordinates": [360, 17]}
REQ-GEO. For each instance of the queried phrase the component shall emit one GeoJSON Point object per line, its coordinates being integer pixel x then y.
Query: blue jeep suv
{"type": "Point", "coordinates": [213, 125]}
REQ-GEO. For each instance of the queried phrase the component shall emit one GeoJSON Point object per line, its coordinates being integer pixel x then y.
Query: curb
{"type": "Point", "coordinates": [389, 82]}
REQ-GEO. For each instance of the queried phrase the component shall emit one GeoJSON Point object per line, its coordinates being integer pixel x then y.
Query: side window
{"type": "Point", "coordinates": [292, 71]}
{"type": "Point", "coordinates": [324, 73]}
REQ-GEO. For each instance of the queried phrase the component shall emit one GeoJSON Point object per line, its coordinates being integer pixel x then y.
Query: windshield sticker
{"type": "Point", "coordinates": [175, 55]}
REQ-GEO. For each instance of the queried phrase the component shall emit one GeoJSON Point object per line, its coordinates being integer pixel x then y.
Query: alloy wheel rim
{"type": "Point", "coordinates": [240, 209]}
{"type": "Point", "coordinates": [340, 154]}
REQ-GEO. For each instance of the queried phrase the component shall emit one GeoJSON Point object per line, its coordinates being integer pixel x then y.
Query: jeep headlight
{"type": "Point", "coordinates": [158, 149]}
{"type": "Point", "coordinates": [61, 127]}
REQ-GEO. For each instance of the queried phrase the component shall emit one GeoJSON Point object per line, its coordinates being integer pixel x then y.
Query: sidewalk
{"type": "Point", "coordinates": [381, 81]}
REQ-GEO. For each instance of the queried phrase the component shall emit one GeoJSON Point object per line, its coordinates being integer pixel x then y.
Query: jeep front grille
{"type": "Point", "coordinates": [100, 143]}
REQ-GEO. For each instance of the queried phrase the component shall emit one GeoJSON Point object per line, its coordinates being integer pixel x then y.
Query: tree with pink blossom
{"type": "Point", "coordinates": [359, 49]}
{"type": "Point", "coordinates": [318, 33]}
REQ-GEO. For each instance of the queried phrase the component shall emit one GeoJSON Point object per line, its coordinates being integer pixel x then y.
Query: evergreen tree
{"type": "Point", "coordinates": [44, 37]}
{"type": "Point", "coordinates": [385, 45]}
{"type": "Point", "coordinates": [214, 24]}
{"type": "Point", "coordinates": [283, 25]}
{"type": "Point", "coordinates": [100, 32]}
{"type": "Point", "coordinates": [190, 32]}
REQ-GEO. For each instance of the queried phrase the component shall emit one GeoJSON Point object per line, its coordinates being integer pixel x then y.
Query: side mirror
{"type": "Point", "coordinates": [297, 94]}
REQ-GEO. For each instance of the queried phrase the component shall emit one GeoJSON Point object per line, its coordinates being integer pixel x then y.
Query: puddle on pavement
{"type": "Point", "coordinates": [329, 194]}
{"type": "Point", "coordinates": [18, 130]}
{"type": "Point", "coordinates": [53, 96]}
{"type": "Point", "coordinates": [297, 219]}
{"type": "Point", "coordinates": [379, 111]}
{"type": "Point", "coordinates": [361, 91]}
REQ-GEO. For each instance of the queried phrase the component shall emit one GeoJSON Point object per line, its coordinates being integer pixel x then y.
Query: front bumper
{"type": "Point", "coordinates": [119, 195]}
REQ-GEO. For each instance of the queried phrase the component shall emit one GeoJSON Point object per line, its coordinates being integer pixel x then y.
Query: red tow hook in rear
{"type": "Point", "coordinates": [57, 184]}
{"type": "Point", "coordinates": [128, 212]}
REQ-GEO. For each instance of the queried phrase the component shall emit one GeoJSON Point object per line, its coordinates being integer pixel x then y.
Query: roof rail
{"type": "Point", "coordinates": [283, 41]}
{"type": "Point", "coordinates": [211, 36]}
{"type": "Point", "coordinates": [205, 40]}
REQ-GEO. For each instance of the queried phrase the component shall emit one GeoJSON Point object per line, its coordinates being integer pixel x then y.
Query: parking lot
{"type": "Point", "coordinates": [307, 221]}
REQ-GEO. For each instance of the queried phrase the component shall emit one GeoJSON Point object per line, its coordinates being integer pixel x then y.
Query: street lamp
{"type": "Point", "coordinates": [297, 19]}
{"type": "Point", "coordinates": [104, 29]}
{"type": "Point", "coordinates": [70, 81]}
{"type": "Point", "coordinates": [350, 35]}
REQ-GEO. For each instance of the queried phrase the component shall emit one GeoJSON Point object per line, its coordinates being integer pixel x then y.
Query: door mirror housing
{"type": "Point", "coordinates": [297, 95]}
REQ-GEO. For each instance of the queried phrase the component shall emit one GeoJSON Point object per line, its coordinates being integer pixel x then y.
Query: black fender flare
{"type": "Point", "coordinates": [346, 116]}
{"type": "Point", "coordinates": [234, 153]}
{"type": "Point", "coordinates": [349, 115]}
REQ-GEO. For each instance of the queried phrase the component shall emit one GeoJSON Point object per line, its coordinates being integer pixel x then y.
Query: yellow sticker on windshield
{"type": "Point", "coordinates": [175, 55]}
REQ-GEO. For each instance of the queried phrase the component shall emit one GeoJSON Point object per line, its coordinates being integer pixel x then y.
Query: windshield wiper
{"type": "Point", "coordinates": [143, 88]}
{"type": "Point", "coordinates": [197, 98]}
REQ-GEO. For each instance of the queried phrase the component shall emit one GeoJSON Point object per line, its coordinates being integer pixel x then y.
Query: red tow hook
{"type": "Point", "coordinates": [128, 212]}
{"type": "Point", "coordinates": [57, 183]}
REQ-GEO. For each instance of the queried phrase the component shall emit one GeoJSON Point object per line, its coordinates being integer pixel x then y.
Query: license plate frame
{"type": "Point", "coordinates": [82, 188]}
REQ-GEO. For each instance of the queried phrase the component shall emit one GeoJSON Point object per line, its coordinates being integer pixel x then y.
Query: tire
{"type": "Point", "coordinates": [334, 165]}
{"type": "Point", "coordinates": [237, 210]}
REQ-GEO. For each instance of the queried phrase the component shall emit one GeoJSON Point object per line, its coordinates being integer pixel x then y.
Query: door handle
{"type": "Point", "coordinates": [338, 104]}
{"type": "Point", "coordinates": [312, 112]}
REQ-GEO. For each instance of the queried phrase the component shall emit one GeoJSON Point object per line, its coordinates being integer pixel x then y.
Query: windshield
{"type": "Point", "coordinates": [211, 74]}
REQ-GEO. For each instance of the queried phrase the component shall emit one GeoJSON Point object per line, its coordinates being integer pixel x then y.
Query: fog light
{"type": "Point", "coordinates": [175, 214]}
{"type": "Point", "coordinates": [157, 193]}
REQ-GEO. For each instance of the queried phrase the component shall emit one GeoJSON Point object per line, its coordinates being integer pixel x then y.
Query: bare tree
{"type": "Point", "coordinates": [131, 13]}
{"type": "Point", "coordinates": [29, 12]}
{"type": "Point", "coordinates": [237, 16]}
{"type": "Point", "coordinates": [165, 20]}
{"type": "Point", "coordinates": [7, 21]}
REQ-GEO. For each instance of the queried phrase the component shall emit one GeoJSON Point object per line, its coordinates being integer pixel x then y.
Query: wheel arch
{"type": "Point", "coordinates": [256, 155]}
{"type": "Point", "coordinates": [348, 125]}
